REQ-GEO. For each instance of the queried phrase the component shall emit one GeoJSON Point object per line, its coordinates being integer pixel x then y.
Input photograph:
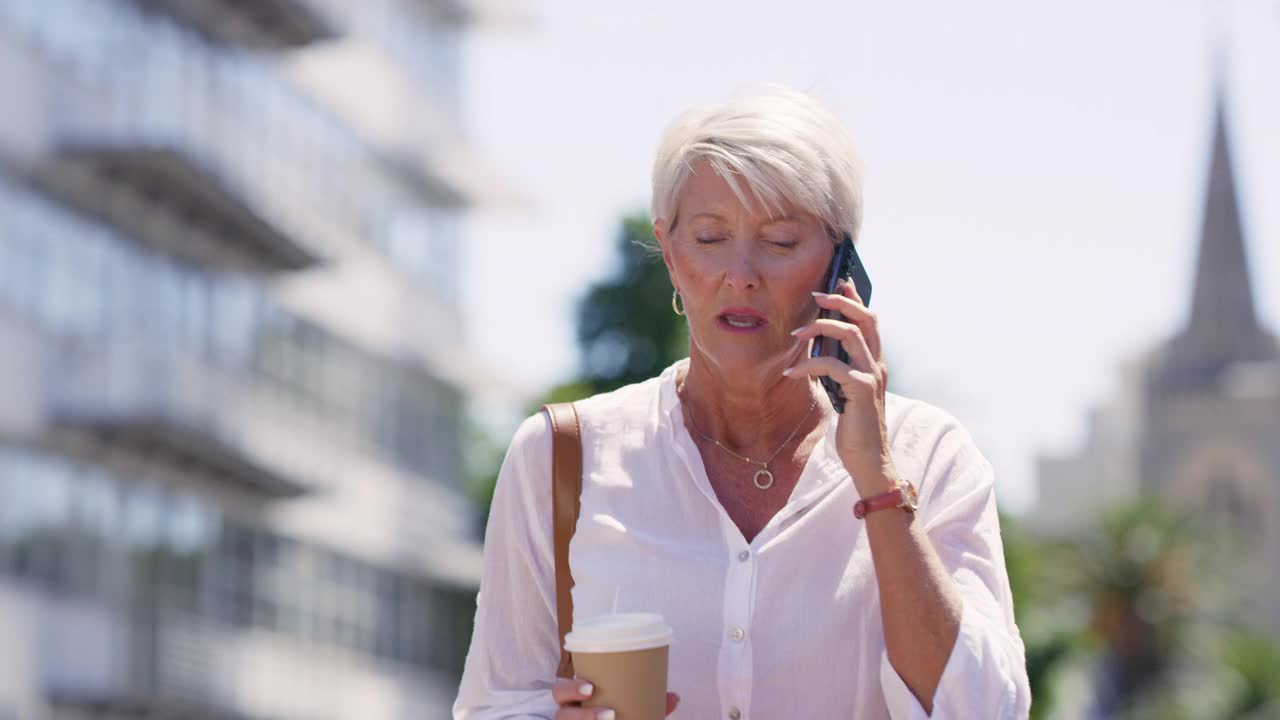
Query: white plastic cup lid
{"type": "Point", "coordinates": [620, 632]}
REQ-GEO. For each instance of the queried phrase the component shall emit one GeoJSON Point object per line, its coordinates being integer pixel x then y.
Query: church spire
{"type": "Point", "coordinates": [1223, 301]}
{"type": "Point", "coordinates": [1223, 325]}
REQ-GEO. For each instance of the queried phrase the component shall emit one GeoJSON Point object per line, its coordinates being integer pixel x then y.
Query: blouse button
{"type": "Point", "coordinates": [738, 634]}
{"type": "Point", "coordinates": [735, 714]}
{"type": "Point", "coordinates": [744, 556]}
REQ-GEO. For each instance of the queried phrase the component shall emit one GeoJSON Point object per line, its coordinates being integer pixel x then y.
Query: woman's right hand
{"type": "Point", "coordinates": [568, 692]}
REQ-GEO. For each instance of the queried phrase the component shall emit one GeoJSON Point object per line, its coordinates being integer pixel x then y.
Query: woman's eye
{"type": "Point", "coordinates": [707, 239]}
{"type": "Point", "coordinates": [786, 243]}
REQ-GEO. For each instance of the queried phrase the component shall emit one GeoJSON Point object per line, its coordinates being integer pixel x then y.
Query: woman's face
{"type": "Point", "coordinates": [745, 278]}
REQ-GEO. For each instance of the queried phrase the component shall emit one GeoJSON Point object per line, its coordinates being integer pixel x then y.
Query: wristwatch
{"type": "Point", "coordinates": [903, 496]}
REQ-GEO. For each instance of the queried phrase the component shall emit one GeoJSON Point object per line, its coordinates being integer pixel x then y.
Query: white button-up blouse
{"type": "Point", "coordinates": [786, 626]}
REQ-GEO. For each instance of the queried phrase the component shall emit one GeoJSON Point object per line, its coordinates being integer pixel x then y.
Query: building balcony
{"type": "Point", "coordinates": [199, 175]}
{"type": "Point", "coordinates": [220, 157]}
{"type": "Point", "coordinates": [167, 195]}
{"type": "Point", "coordinates": [164, 410]}
{"type": "Point", "coordinates": [165, 198]}
{"type": "Point", "coordinates": [249, 24]}
{"type": "Point", "coordinates": [453, 14]}
{"type": "Point", "coordinates": [189, 182]}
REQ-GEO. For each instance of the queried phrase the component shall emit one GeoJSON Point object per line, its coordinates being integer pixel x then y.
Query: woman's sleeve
{"type": "Point", "coordinates": [986, 675]}
{"type": "Point", "coordinates": [514, 651]}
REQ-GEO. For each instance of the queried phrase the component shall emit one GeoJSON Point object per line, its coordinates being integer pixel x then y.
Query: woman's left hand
{"type": "Point", "coordinates": [862, 439]}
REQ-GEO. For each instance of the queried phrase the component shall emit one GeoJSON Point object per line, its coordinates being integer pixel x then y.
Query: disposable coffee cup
{"type": "Point", "coordinates": [624, 656]}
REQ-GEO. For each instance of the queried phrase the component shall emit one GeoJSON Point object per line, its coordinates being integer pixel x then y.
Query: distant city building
{"type": "Point", "coordinates": [231, 395]}
{"type": "Point", "coordinates": [1197, 419]}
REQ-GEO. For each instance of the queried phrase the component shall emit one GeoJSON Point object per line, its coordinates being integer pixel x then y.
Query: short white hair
{"type": "Point", "coordinates": [788, 147]}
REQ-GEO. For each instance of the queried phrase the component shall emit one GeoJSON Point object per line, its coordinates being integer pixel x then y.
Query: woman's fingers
{"type": "Point", "coordinates": [851, 337]}
{"type": "Point", "coordinates": [853, 383]}
{"type": "Point", "coordinates": [846, 302]}
{"type": "Point", "coordinates": [581, 713]}
{"type": "Point", "coordinates": [567, 690]}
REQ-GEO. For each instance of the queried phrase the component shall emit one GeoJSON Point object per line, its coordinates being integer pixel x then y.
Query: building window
{"type": "Point", "coordinates": [40, 542]}
{"type": "Point", "coordinates": [1231, 513]}
{"type": "Point", "coordinates": [96, 566]}
{"type": "Point", "coordinates": [144, 509]}
{"type": "Point", "coordinates": [423, 242]}
{"type": "Point", "coordinates": [23, 281]}
{"type": "Point", "coordinates": [233, 574]}
{"type": "Point", "coordinates": [186, 547]}
{"type": "Point", "coordinates": [233, 319]}
{"type": "Point", "coordinates": [12, 490]}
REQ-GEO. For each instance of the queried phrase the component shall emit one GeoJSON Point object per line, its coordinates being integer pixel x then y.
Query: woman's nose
{"type": "Point", "coordinates": [742, 273]}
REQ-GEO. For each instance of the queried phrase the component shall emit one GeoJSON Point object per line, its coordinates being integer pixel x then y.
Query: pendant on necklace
{"type": "Point", "coordinates": [766, 483]}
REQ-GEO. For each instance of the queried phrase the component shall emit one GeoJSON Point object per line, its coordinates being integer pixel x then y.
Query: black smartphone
{"type": "Point", "coordinates": [845, 265]}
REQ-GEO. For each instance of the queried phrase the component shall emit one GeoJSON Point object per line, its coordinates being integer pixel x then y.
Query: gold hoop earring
{"type": "Point", "coordinates": [675, 302]}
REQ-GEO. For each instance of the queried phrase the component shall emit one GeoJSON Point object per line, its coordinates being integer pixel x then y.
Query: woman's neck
{"type": "Point", "coordinates": [748, 413]}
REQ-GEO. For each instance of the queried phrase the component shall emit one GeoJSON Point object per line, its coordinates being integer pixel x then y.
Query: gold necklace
{"type": "Point", "coordinates": [763, 479]}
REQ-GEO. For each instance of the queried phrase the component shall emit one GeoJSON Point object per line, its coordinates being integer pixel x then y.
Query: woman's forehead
{"type": "Point", "coordinates": [724, 206]}
{"type": "Point", "coordinates": [762, 219]}
{"type": "Point", "coordinates": [708, 194]}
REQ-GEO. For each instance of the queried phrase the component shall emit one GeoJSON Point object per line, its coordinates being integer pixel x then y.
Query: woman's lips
{"type": "Point", "coordinates": [732, 322]}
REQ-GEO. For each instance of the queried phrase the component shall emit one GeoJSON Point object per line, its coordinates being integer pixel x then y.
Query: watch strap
{"type": "Point", "coordinates": [902, 496]}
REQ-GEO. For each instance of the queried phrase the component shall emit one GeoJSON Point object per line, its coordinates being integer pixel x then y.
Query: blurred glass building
{"type": "Point", "coordinates": [230, 400]}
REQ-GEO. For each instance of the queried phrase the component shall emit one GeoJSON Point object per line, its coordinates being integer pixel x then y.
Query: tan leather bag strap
{"type": "Point", "coordinates": [566, 482]}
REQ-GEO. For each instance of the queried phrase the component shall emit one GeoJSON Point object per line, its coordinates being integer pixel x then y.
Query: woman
{"type": "Point", "coordinates": [784, 604]}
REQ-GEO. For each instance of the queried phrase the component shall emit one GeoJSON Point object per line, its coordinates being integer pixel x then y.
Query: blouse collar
{"type": "Point", "coordinates": [821, 473]}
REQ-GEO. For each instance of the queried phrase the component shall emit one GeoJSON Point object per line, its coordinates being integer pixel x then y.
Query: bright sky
{"type": "Point", "coordinates": [1033, 190]}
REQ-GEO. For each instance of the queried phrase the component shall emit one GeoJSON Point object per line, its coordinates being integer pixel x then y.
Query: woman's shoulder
{"type": "Point", "coordinates": [630, 407]}
{"type": "Point", "coordinates": [916, 416]}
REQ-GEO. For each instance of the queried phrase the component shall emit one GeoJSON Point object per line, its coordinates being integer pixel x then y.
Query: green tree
{"type": "Point", "coordinates": [1254, 660]}
{"type": "Point", "coordinates": [1137, 602]}
{"type": "Point", "coordinates": [626, 333]}
{"type": "Point", "coordinates": [1136, 570]}
{"type": "Point", "coordinates": [1050, 630]}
